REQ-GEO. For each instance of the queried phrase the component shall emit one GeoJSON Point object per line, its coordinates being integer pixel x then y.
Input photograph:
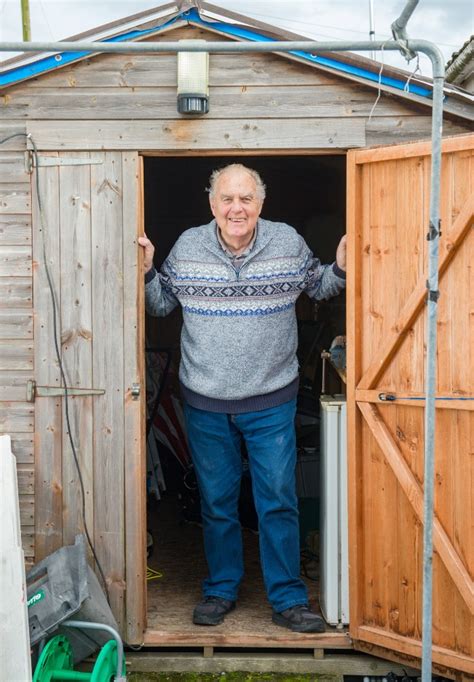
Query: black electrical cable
{"type": "Point", "coordinates": [59, 358]}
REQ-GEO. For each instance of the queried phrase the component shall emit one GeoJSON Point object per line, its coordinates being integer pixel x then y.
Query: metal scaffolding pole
{"type": "Point", "coordinates": [408, 48]}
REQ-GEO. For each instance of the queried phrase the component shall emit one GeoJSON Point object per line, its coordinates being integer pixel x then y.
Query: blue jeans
{"type": "Point", "coordinates": [214, 440]}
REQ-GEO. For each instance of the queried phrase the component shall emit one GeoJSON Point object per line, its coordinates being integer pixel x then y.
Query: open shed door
{"type": "Point", "coordinates": [92, 215]}
{"type": "Point", "coordinates": [388, 209]}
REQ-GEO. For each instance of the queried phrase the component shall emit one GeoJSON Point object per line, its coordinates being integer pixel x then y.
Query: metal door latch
{"type": "Point", "coordinates": [33, 391]}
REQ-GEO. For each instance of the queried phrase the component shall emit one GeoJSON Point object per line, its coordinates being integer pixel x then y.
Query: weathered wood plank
{"type": "Point", "coordinates": [160, 71]}
{"type": "Point", "coordinates": [200, 134]}
{"type": "Point", "coordinates": [48, 415]}
{"type": "Point", "coordinates": [329, 640]}
{"type": "Point", "coordinates": [13, 385]}
{"type": "Point", "coordinates": [16, 417]}
{"type": "Point", "coordinates": [77, 340]}
{"type": "Point", "coordinates": [15, 261]}
{"type": "Point", "coordinates": [16, 292]}
{"type": "Point", "coordinates": [13, 167]}
{"type": "Point", "coordinates": [107, 317]}
{"type": "Point", "coordinates": [28, 544]}
{"type": "Point", "coordinates": [16, 325]}
{"type": "Point", "coordinates": [385, 129]}
{"type": "Point", "coordinates": [15, 198]}
{"type": "Point", "coordinates": [17, 355]}
{"type": "Point", "coordinates": [134, 423]}
{"type": "Point", "coordinates": [27, 510]}
{"type": "Point", "coordinates": [22, 447]}
{"type": "Point", "coordinates": [15, 229]}
{"type": "Point", "coordinates": [234, 102]}
{"type": "Point", "coordinates": [9, 128]}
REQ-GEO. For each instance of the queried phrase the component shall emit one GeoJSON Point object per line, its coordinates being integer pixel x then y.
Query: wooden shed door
{"type": "Point", "coordinates": [388, 201]}
{"type": "Point", "coordinates": [92, 214]}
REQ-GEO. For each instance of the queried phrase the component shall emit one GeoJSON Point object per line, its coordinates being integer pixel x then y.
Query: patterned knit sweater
{"type": "Point", "coordinates": [239, 336]}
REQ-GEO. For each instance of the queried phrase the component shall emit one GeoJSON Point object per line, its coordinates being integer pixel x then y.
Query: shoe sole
{"type": "Point", "coordinates": [209, 620]}
{"type": "Point", "coordinates": [280, 620]}
{"type": "Point", "coordinates": [203, 620]}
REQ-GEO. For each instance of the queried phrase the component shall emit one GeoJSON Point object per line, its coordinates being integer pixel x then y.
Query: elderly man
{"type": "Point", "coordinates": [237, 280]}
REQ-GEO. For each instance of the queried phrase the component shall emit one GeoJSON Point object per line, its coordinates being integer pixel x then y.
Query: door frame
{"type": "Point", "coordinates": [152, 637]}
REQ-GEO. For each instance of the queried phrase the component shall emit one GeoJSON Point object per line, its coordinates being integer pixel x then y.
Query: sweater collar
{"type": "Point", "coordinates": [264, 235]}
{"type": "Point", "coordinates": [230, 253]}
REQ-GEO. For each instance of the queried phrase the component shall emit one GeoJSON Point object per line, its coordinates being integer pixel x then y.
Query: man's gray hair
{"type": "Point", "coordinates": [216, 174]}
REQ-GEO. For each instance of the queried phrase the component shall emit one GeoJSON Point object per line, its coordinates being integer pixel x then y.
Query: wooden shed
{"type": "Point", "coordinates": [114, 156]}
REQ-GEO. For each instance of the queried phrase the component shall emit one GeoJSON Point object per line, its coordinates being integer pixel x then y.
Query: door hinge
{"type": "Point", "coordinates": [135, 391]}
{"type": "Point", "coordinates": [30, 161]}
{"type": "Point", "coordinates": [33, 391]}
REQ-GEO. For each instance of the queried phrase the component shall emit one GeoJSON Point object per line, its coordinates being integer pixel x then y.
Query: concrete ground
{"type": "Point", "coordinates": [227, 677]}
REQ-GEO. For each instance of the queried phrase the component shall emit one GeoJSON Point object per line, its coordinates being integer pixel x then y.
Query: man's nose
{"type": "Point", "coordinates": [236, 206]}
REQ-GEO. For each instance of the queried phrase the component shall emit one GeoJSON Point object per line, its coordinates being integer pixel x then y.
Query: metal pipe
{"type": "Point", "coordinates": [399, 32]}
{"type": "Point", "coordinates": [431, 345]}
{"type": "Point", "coordinates": [371, 26]}
{"type": "Point", "coordinates": [128, 47]}
{"type": "Point", "coordinates": [25, 19]}
{"type": "Point", "coordinates": [399, 24]}
{"type": "Point", "coordinates": [85, 625]}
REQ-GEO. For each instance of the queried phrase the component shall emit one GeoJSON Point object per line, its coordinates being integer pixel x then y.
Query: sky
{"type": "Point", "coordinates": [448, 24]}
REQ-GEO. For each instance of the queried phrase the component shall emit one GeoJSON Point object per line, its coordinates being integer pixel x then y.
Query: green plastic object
{"type": "Point", "coordinates": [106, 664]}
{"type": "Point", "coordinates": [56, 663]}
{"type": "Point", "coordinates": [56, 656]}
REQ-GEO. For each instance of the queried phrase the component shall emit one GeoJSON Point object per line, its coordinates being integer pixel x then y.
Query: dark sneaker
{"type": "Point", "coordinates": [212, 611]}
{"type": "Point", "coordinates": [299, 619]}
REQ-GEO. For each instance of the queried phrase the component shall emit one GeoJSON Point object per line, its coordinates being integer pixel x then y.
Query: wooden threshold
{"type": "Point", "coordinates": [287, 640]}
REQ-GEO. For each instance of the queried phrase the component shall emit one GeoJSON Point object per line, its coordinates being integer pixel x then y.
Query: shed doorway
{"type": "Point", "coordinates": [307, 192]}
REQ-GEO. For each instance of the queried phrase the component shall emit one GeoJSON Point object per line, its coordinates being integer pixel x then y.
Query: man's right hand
{"type": "Point", "coordinates": [149, 250]}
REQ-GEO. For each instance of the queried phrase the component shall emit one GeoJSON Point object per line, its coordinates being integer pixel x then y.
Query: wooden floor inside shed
{"type": "Point", "coordinates": [178, 556]}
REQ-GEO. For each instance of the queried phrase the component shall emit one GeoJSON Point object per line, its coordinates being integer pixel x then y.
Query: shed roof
{"type": "Point", "coordinates": [461, 65]}
{"type": "Point", "coordinates": [147, 24]}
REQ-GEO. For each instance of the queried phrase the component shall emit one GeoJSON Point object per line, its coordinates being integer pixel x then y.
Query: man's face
{"type": "Point", "coordinates": [235, 205]}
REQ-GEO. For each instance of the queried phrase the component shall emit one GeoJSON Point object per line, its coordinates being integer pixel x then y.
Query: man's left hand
{"type": "Point", "coordinates": [341, 254]}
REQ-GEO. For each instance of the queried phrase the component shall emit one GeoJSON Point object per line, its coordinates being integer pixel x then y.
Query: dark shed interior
{"type": "Point", "coordinates": [307, 192]}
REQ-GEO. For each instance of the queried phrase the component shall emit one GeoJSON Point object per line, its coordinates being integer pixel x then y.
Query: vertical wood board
{"type": "Point", "coordinates": [108, 363]}
{"type": "Point", "coordinates": [76, 342]}
{"type": "Point", "coordinates": [48, 421]}
{"type": "Point", "coordinates": [134, 372]}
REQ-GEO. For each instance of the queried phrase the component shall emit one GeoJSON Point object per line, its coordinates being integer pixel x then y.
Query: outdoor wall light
{"type": "Point", "coordinates": [193, 81]}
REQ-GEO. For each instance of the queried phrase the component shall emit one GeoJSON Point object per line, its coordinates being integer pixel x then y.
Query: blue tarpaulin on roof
{"type": "Point", "coordinates": [46, 64]}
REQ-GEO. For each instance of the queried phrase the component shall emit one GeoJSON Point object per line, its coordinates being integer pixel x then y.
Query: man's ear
{"type": "Point", "coordinates": [211, 204]}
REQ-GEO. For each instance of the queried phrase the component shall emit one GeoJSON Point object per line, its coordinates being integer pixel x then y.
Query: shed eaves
{"type": "Point", "coordinates": [146, 24]}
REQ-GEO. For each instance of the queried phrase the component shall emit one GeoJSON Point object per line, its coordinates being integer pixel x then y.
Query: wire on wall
{"type": "Point", "coordinates": [379, 91]}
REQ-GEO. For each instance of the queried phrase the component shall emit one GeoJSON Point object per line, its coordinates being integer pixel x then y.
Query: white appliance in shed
{"type": "Point", "coordinates": [334, 566]}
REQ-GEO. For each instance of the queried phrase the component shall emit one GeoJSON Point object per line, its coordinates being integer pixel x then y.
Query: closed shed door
{"type": "Point", "coordinates": [388, 212]}
{"type": "Point", "coordinates": [88, 235]}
